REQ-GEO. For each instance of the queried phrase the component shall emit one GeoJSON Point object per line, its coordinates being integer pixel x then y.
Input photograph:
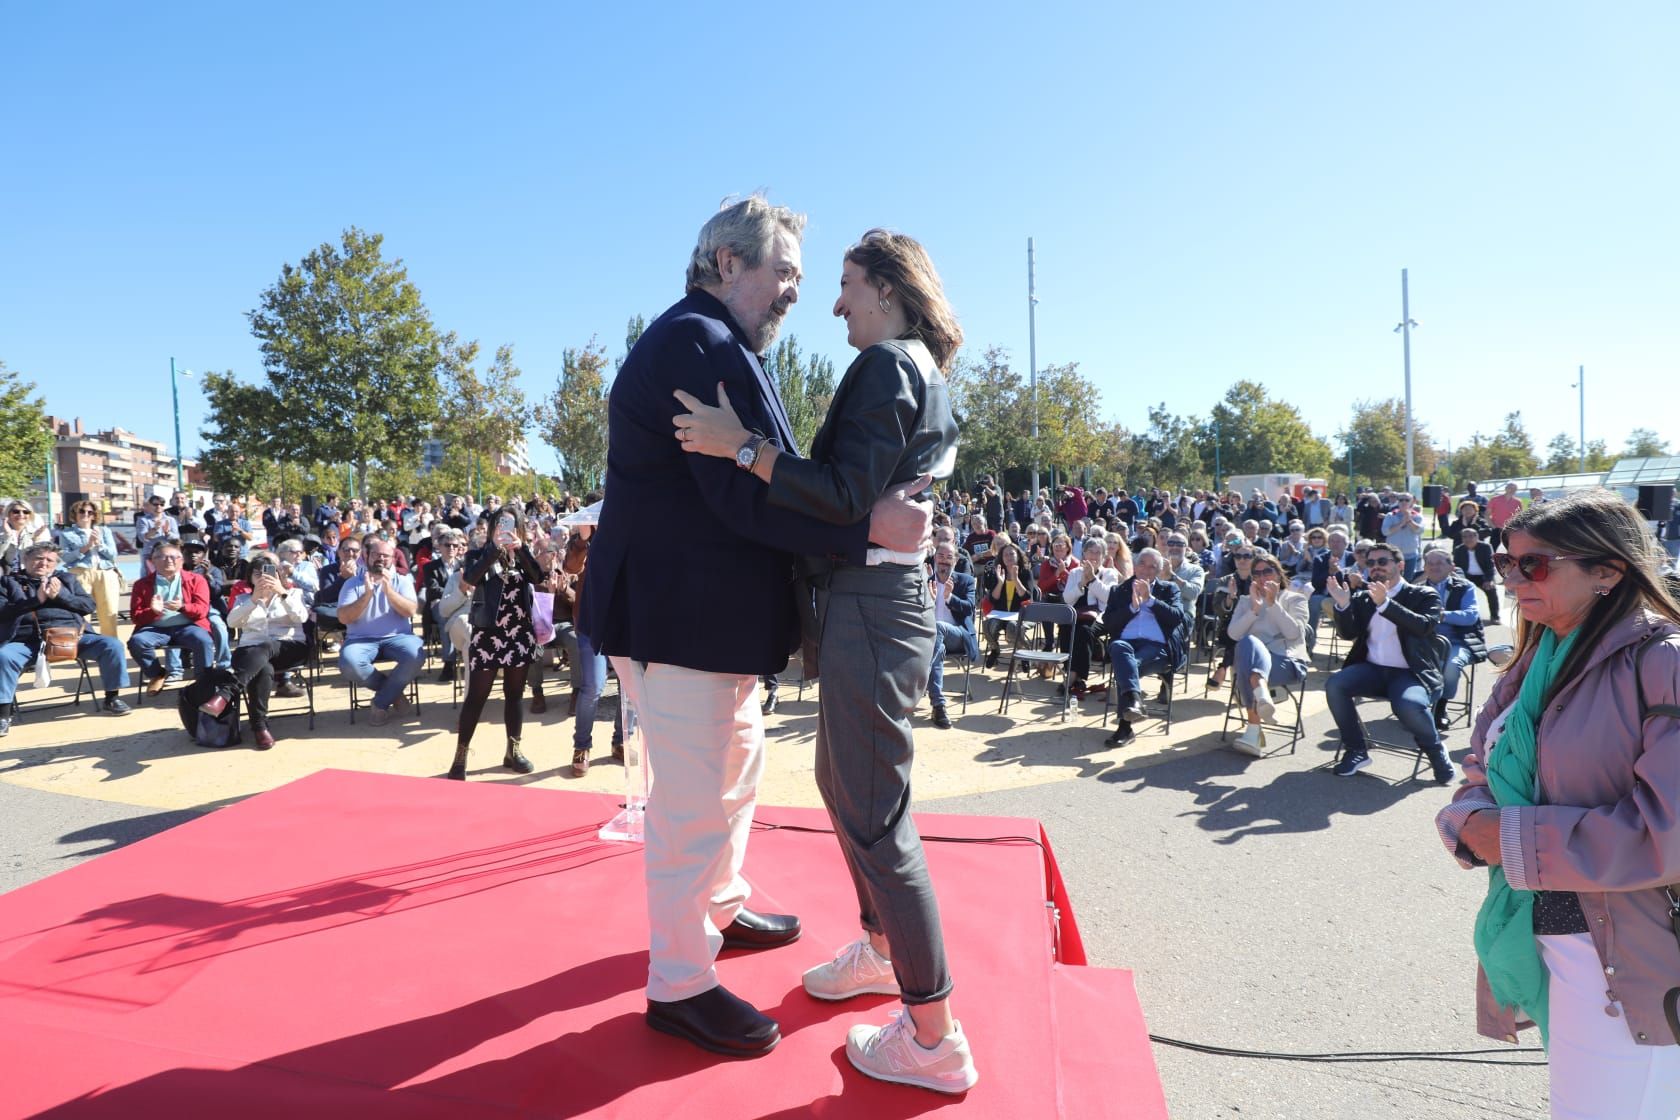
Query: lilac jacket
{"type": "Point", "coordinates": [1609, 823]}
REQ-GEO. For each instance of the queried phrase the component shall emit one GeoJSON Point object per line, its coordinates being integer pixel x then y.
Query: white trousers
{"type": "Point", "coordinates": [1598, 1072]}
{"type": "Point", "coordinates": [704, 736]}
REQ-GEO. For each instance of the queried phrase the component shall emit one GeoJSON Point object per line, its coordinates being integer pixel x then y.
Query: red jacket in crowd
{"type": "Point", "coordinates": [195, 600]}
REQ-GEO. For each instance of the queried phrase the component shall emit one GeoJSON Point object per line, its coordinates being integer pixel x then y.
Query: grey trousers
{"type": "Point", "coordinates": [876, 646]}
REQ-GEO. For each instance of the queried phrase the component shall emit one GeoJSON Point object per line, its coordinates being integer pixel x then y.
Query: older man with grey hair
{"type": "Point", "coordinates": [692, 684]}
{"type": "Point", "coordinates": [1148, 628]}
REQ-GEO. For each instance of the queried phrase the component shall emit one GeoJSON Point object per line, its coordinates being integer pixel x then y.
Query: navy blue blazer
{"type": "Point", "coordinates": [691, 564]}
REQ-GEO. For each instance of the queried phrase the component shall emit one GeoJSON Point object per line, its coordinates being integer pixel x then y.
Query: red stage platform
{"type": "Point", "coordinates": [360, 945]}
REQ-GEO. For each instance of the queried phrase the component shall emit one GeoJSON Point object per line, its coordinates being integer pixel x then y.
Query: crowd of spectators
{"type": "Point", "coordinates": [243, 608]}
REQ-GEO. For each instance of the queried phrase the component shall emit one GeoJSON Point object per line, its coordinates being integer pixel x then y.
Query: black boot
{"type": "Point", "coordinates": [1441, 720]}
{"type": "Point", "coordinates": [515, 760]}
{"type": "Point", "coordinates": [458, 768]}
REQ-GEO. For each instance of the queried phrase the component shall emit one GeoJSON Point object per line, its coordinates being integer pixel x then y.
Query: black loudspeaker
{"type": "Point", "coordinates": [308, 504]}
{"type": "Point", "coordinates": [1432, 496]}
{"type": "Point", "coordinates": [1655, 502]}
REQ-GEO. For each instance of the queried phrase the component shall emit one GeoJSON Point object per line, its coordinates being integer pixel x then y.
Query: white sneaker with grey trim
{"type": "Point", "coordinates": [891, 1053]}
{"type": "Point", "coordinates": [855, 970]}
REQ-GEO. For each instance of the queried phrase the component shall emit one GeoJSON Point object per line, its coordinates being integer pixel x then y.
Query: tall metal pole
{"type": "Point", "coordinates": [175, 393]}
{"type": "Point", "coordinates": [1032, 360]}
{"type": "Point", "coordinates": [1406, 336]}
{"type": "Point", "coordinates": [1581, 383]}
{"type": "Point", "coordinates": [1350, 468]}
{"type": "Point", "coordinates": [1216, 441]}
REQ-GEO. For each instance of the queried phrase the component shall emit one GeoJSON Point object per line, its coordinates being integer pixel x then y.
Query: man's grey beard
{"type": "Point", "coordinates": [767, 331]}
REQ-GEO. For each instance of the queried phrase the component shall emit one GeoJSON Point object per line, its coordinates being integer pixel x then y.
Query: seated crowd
{"type": "Point", "coordinates": [1151, 575]}
{"type": "Point", "coordinates": [497, 585]}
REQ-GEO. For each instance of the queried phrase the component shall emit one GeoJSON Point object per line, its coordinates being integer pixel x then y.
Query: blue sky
{"type": "Point", "coordinates": [1217, 191]}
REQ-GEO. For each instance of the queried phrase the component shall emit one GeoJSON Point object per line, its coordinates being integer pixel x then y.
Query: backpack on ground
{"type": "Point", "coordinates": [207, 730]}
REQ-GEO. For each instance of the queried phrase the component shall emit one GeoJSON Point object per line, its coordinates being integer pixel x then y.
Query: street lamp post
{"type": "Point", "coordinates": [1581, 384]}
{"type": "Point", "coordinates": [1405, 331]}
{"type": "Point", "coordinates": [175, 394]}
{"type": "Point", "coordinates": [1216, 471]}
{"type": "Point", "coordinates": [1032, 360]}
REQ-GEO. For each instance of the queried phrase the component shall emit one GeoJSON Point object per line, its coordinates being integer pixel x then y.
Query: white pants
{"type": "Point", "coordinates": [704, 736]}
{"type": "Point", "coordinates": [1598, 1071]}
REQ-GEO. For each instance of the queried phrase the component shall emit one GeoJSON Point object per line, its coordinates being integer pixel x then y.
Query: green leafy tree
{"type": "Point", "coordinates": [352, 357]}
{"type": "Point", "coordinates": [1168, 452]}
{"type": "Point", "coordinates": [1112, 465]}
{"type": "Point", "coordinates": [486, 415]}
{"type": "Point", "coordinates": [239, 451]}
{"type": "Point", "coordinates": [573, 417]}
{"type": "Point", "coordinates": [25, 440]}
{"type": "Point", "coordinates": [1511, 451]}
{"type": "Point", "coordinates": [1377, 434]}
{"type": "Point", "coordinates": [1069, 432]}
{"type": "Point", "coordinates": [806, 386]}
{"type": "Point", "coordinates": [993, 413]}
{"type": "Point", "coordinates": [1643, 443]}
{"type": "Point", "coordinates": [1259, 435]}
{"type": "Point", "coordinates": [632, 333]}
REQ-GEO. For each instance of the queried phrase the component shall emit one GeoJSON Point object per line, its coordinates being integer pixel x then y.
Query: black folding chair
{"type": "Point", "coordinates": [1023, 649]}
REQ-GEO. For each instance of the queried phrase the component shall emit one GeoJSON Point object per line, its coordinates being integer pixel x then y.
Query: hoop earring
{"type": "Point", "coordinates": [1601, 591]}
{"type": "Point", "coordinates": [886, 305]}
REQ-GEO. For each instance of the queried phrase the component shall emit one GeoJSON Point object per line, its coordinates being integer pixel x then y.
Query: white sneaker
{"type": "Point", "coordinates": [891, 1053]}
{"type": "Point", "coordinates": [1264, 704]}
{"type": "Point", "coordinates": [855, 970]}
{"type": "Point", "coordinates": [1252, 741]}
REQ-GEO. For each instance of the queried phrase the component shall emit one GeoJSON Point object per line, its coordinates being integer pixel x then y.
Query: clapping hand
{"type": "Point", "coordinates": [1379, 591]}
{"type": "Point", "coordinates": [50, 588]}
{"type": "Point", "coordinates": [1269, 592]}
{"type": "Point", "coordinates": [1339, 593]}
{"type": "Point", "coordinates": [1140, 594]}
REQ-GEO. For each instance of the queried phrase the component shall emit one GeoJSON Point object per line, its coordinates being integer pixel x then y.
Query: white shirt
{"type": "Point", "coordinates": [942, 609]}
{"type": "Point", "coordinates": [1382, 641]}
{"type": "Point", "coordinates": [1475, 567]}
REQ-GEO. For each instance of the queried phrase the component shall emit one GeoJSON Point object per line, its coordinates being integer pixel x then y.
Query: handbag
{"type": "Point", "coordinates": [1671, 999]}
{"type": "Point", "coordinates": [59, 643]}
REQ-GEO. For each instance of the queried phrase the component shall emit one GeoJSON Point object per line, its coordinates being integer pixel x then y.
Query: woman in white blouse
{"type": "Point", "coordinates": [1086, 592]}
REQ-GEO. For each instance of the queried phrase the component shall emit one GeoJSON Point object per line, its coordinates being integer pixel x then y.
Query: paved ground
{"type": "Point", "coordinates": [1263, 904]}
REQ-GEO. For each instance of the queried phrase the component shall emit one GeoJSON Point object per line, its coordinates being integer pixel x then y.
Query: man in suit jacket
{"type": "Point", "coordinates": [691, 639]}
{"type": "Point", "coordinates": [1474, 557]}
{"type": "Point", "coordinates": [1396, 653]}
{"type": "Point", "coordinates": [953, 610]}
{"type": "Point", "coordinates": [1149, 630]}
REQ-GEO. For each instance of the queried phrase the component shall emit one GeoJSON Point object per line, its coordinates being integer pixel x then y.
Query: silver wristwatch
{"type": "Point", "coordinates": [747, 457]}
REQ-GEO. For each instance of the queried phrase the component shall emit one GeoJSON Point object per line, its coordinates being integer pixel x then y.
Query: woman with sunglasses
{"type": "Point", "coordinates": [1231, 591]}
{"type": "Point", "coordinates": [90, 552]}
{"type": "Point", "coordinates": [20, 531]}
{"type": "Point", "coordinates": [1570, 799]}
{"type": "Point", "coordinates": [1268, 630]}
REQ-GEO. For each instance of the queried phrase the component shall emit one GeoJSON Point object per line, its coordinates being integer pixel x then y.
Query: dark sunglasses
{"type": "Point", "coordinates": [1379, 561]}
{"type": "Point", "coordinates": [1534, 566]}
{"type": "Point", "coordinates": [1242, 555]}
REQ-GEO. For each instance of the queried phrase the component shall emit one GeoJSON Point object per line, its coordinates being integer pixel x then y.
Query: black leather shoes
{"type": "Point", "coordinates": [760, 931]}
{"type": "Point", "coordinates": [717, 1020]}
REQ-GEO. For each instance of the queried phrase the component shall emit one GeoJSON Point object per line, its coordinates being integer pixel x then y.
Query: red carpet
{"type": "Point", "coordinates": [360, 945]}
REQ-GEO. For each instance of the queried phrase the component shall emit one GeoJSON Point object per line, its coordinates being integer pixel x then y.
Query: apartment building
{"type": "Point", "coordinates": [115, 469]}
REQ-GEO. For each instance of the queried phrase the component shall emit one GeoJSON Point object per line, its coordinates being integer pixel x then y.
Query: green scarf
{"type": "Point", "coordinates": [1505, 926]}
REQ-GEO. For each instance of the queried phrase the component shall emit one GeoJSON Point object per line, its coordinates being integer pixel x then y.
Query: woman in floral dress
{"type": "Point", "coordinates": [501, 577]}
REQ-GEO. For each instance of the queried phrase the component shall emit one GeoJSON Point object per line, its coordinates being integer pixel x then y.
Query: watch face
{"type": "Point", "coordinates": [744, 457]}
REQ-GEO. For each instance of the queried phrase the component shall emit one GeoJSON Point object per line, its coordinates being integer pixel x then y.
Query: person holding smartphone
{"type": "Point", "coordinates": [501, 577]}
{"type": "Point", "coordinates": [269, 617]}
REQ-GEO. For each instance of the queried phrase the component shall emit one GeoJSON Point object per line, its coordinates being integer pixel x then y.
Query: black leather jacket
{"type": "Point", "coordinates": [479, 572]}
{"type": "Point", "coordinates": [1416, 614]}
{"type": "Point", "coordinates": [890, 422]}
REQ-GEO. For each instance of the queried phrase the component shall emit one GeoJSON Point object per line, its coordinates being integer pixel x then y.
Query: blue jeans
{"type": "Point", "coordinates": [951, 638]}
{"type": "Point", "coordinates": [1459, 658]}
{"type": "Point", "coordinates": [147, 640]}
{"type": "Point", "coordinates": [219, 636]}
{"type": "Point", "coordinates": [1315, 608]}
{"type": "Point", "coordinates": [357, 656]}
{"type": "Point", "coordinates": [1252, 656]}
{"type": "Point", "coordinates": [1413, 704]}
{"type": "Point", "coordinates": [1130, 659]}
{"type": "Point", "coordinates": [17, 657]}
{"type": "Point", "coordinates": [589, 673]}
